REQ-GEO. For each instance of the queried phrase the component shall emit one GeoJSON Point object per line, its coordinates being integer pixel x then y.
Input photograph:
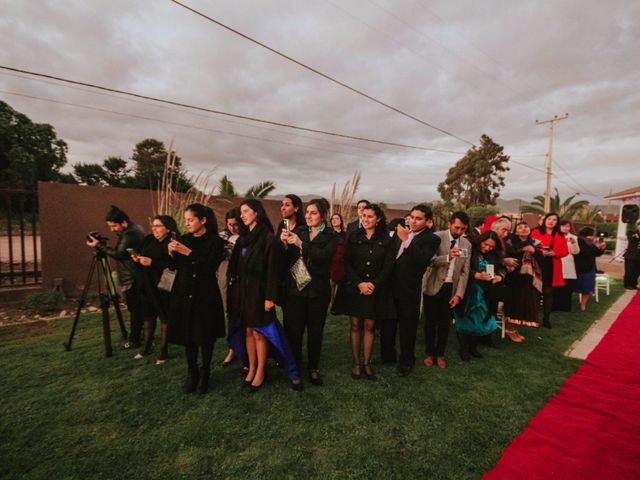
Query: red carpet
{"type": "Point", "coordinates": [591, 427]}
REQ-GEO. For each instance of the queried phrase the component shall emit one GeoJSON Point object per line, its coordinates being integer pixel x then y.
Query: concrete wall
{"type": "Point", "coordinates": [69, 212]}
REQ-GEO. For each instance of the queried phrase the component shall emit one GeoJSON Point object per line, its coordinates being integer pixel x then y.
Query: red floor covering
{"type": "Point", "coordinates": [591, 428]}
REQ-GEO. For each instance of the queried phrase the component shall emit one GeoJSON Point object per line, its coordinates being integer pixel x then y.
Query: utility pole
{"type": "Point", "coordinates": [551, 122]}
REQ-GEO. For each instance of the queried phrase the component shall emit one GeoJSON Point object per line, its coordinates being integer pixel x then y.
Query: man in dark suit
{"type": "Point", "coordinates": [356, 224]}
{"type": "Point", "coordinates": [414, 247]}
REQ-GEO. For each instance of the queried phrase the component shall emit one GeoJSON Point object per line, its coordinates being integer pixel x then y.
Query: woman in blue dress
{"type": "Point", "coordinates": [476, 315]}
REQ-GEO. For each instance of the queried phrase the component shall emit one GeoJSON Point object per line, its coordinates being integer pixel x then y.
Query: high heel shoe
{"type": "Point", "coordinates": [298, 387]}
{"type": "Point", "coordinates": [315, 378]}
{"type": "Point", "coordinates": [368, 372]}
{"type": "Point", "coordinates": [354, 375]}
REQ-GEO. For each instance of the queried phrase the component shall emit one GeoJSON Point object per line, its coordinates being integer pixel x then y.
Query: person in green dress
{"type": "Point", "coordinates": [476, 315]}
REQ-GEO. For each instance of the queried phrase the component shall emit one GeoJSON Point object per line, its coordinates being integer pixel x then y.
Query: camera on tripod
{"type": "Point", "coordinates": [97, 236]}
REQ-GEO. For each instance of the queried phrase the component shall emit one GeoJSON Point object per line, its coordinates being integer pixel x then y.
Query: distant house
{"type": "Point", "coordinates": [630, 196]}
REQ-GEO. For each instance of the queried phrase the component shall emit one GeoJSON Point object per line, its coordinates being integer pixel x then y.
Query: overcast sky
{"type": "Point", "coordinates": [467, 67]}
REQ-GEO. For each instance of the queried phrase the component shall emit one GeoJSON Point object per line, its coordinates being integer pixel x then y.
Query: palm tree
{"type": "Point", "coordinates": [567, 209]}
{"type": "Point", "coordinates": [259, 190]}
{"type": "Point", "coordinates": [226, 188]}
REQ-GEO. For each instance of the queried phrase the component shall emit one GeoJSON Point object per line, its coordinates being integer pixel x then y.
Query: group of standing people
{"type": "Point", "coordinates": [380, 276]}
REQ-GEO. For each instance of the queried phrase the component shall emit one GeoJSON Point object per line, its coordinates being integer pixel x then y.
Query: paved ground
{"type": "Point", "coordinates": [615, 268]}
{"type": "Point", "coordinates": [583, 347]}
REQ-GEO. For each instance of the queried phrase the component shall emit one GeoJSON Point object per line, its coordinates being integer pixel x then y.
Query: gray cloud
{"type": "Point", "coordinates": [468, 67]}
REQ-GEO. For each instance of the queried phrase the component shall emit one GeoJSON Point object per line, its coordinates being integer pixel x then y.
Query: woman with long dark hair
{"type": "Point", "coordinates": [562, 296]}
{"type": "Point", "coordinates": [336, 271]}
{"type": "Point", "coordinates": [152, 257]}
{"type": "Point", "coordinates": [554, 248]}
{"type": "Point", "coordinates": [368, 260]}
{"type": "Point", "coordinates": [229, 235]}
{"type": "Point", "coordinates": [476, 314]}
{"type": "Point", "coordinates": [306, 307]}
{"type": "Point", "coordinates": [253, 284]}
{"type": "Point", "coordinates": [196, 311]}
{"type": "Point", "coordinates": [524, 283]}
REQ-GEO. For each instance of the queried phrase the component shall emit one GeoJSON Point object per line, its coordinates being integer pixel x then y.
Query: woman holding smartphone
{"type": "Point", "coordinates": [196, 312]}
{"type": "Point", "coordinates": [554, 248]}
{"type": "Point", "coordinates": [586, 264]}
{"type": "Point", "coordinates": [152, 258]}
{"type": "Point", "coordinates": [229, 235]}
{"type": "Point", "coordinates": [306, 307]}
{"type": "Point", "coordinates": [476, 314]}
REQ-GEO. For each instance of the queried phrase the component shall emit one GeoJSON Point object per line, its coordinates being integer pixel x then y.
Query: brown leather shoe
{"type": "Point", "coordinates": [441, 363]}
{"type": "Point", "coordinates": [428, 361]}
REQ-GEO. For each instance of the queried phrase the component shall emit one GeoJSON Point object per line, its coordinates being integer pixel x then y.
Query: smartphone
{"type": "Point", "coordinates": [490, 270]}
{"type": "Point", "coordinates": [464, 253]}
{"type": "Point", "coordinates": [173, 236]}
{"type": "Point", "coordinates": [286, 224]}
{"type": "Point", "coordinates": [131, 251]}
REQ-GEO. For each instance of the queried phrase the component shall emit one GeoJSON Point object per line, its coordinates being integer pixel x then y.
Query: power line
{"type": "Point", "coordinates": [188, 112]}
{"type": "Point", "coordinates": [578, 184]}
{"type": "Point", "coordinates": [168, 122]}
{"type": "Point", "coordinates": [219, 112]}
{"type": "Point", "coordinates": [324, 75]}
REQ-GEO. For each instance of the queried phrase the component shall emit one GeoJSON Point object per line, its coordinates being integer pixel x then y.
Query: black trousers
{"type": "Point", "coordinates": [134, 306]}
{"type": "Point", "coordinates": [388, 332]}
{"type": "Point", "coordinates": [308, 313]}
{"type": "Point", "coordinates": [408, 317]}
{"type": "Point", "coordinates": [437, 320]}
{"type": "Point", "coordinates": [631, 273]}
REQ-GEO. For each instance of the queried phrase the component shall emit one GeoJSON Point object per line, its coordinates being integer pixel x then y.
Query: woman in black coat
{"type": "Point", "coordinates": [586, 264]}
{"type": "Point", "coordinates": [152, 258]}
{"type": "Point", "coordinates": [368, 261]}
{"type": "Point", "coordinates": [306, 307]}
{"type": "Point", "coordinates": [196, 313]}
{"type": "Point", "coordinates": [252, 291]}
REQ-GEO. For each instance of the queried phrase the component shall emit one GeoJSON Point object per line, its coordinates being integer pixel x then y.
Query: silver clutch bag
{"type": "Point", "coordinates": [166, 280]}
{"type": "Point", "coordinates": [300, 274]}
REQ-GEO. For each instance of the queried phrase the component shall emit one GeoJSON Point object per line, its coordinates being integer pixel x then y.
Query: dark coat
{"type": "Point", "coordinates": [369, 260]}
{"type": "Point", "coordinates": [196, 311]}
{"type": "Point", "coordinates": [131, 237]}
{"type": "Point", "coordinates": [318, 255]}
{"type": "Point", "coordinates": [586, 259]}
{"type": "Point", "coordinates": [409, 268]}
{"type": "Point", "coordinates": [253, 277]}
{"type": "Point", "coordinates": [152, 300]}
{"type": "Point", "coordinates": [633, 246]}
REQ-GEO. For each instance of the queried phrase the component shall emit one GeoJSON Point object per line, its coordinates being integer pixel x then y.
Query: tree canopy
{"type": "Point", "coordinates": [566, 208]}
{"type": "Point", "coordinates": [476, 179]}
{"type": "Point", "coordinates": [29, 151]}
{"type": "Point", "coordinates": [259, 190]}
{"type": "Point", "coordinates": [149, 157]}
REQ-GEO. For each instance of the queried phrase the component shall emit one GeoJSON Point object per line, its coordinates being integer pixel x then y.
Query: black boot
{"type": "Point", "coordinates": [546, 323]}
{"type": "Point", "coordinates": [191, 383]}
{"type": "Point", "coordinates": [203, 387]}
{"type": "Point", "coordinates": [473, 346]}
{"type": "Point", "coordinates": [463, 340]}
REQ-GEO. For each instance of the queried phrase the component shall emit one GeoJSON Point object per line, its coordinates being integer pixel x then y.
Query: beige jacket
{"type": "Point", "coordinates": [436, 273]}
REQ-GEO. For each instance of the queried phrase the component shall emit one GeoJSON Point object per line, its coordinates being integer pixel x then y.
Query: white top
{"type": "Point", "coordinates": [568, 264]}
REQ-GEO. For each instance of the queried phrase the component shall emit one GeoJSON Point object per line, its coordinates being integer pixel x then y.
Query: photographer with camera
{"type": "Point", "coordinates": [130, 236]}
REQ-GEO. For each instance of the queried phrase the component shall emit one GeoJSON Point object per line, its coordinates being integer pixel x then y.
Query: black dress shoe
{"type": "Point", "coordinates": [191, 383]}
{"type": "Point", "coordinates": [203, 386]}
{"type": "Point", "coordinates": [404, 370]}
{"type": "Point", "coordinates": [315, 378]}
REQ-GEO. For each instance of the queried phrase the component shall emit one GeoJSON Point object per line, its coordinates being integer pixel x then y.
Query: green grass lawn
{"type": "Point", "coordinates": [80, 415]}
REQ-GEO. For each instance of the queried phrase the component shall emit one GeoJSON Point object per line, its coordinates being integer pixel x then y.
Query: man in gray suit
{"type": "Point", "coordinates": [445, 284]}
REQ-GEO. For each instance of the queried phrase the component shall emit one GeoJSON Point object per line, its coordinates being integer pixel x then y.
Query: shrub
{"type": "Point", "coordinates": [45, 302]}
{"type": "Point", "coordinates": [609, 229]}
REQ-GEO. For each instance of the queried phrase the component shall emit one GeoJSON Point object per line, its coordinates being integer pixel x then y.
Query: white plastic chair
{"type": "Point", "coordinates": [602, 282]}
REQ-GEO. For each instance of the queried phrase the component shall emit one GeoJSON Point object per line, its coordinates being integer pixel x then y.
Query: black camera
{"type": "Point", "coordinates": [98, 237]}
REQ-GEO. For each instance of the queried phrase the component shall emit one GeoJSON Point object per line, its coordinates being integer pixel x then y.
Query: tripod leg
{"type": "Point", "coordinates": [116, 307]}
{"type": "Point", "coordinates": [106, 329]}
{"type": "Point", "coordinates": [81, 303]}
{"type": "Point", "coordinates": [114, 297]}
